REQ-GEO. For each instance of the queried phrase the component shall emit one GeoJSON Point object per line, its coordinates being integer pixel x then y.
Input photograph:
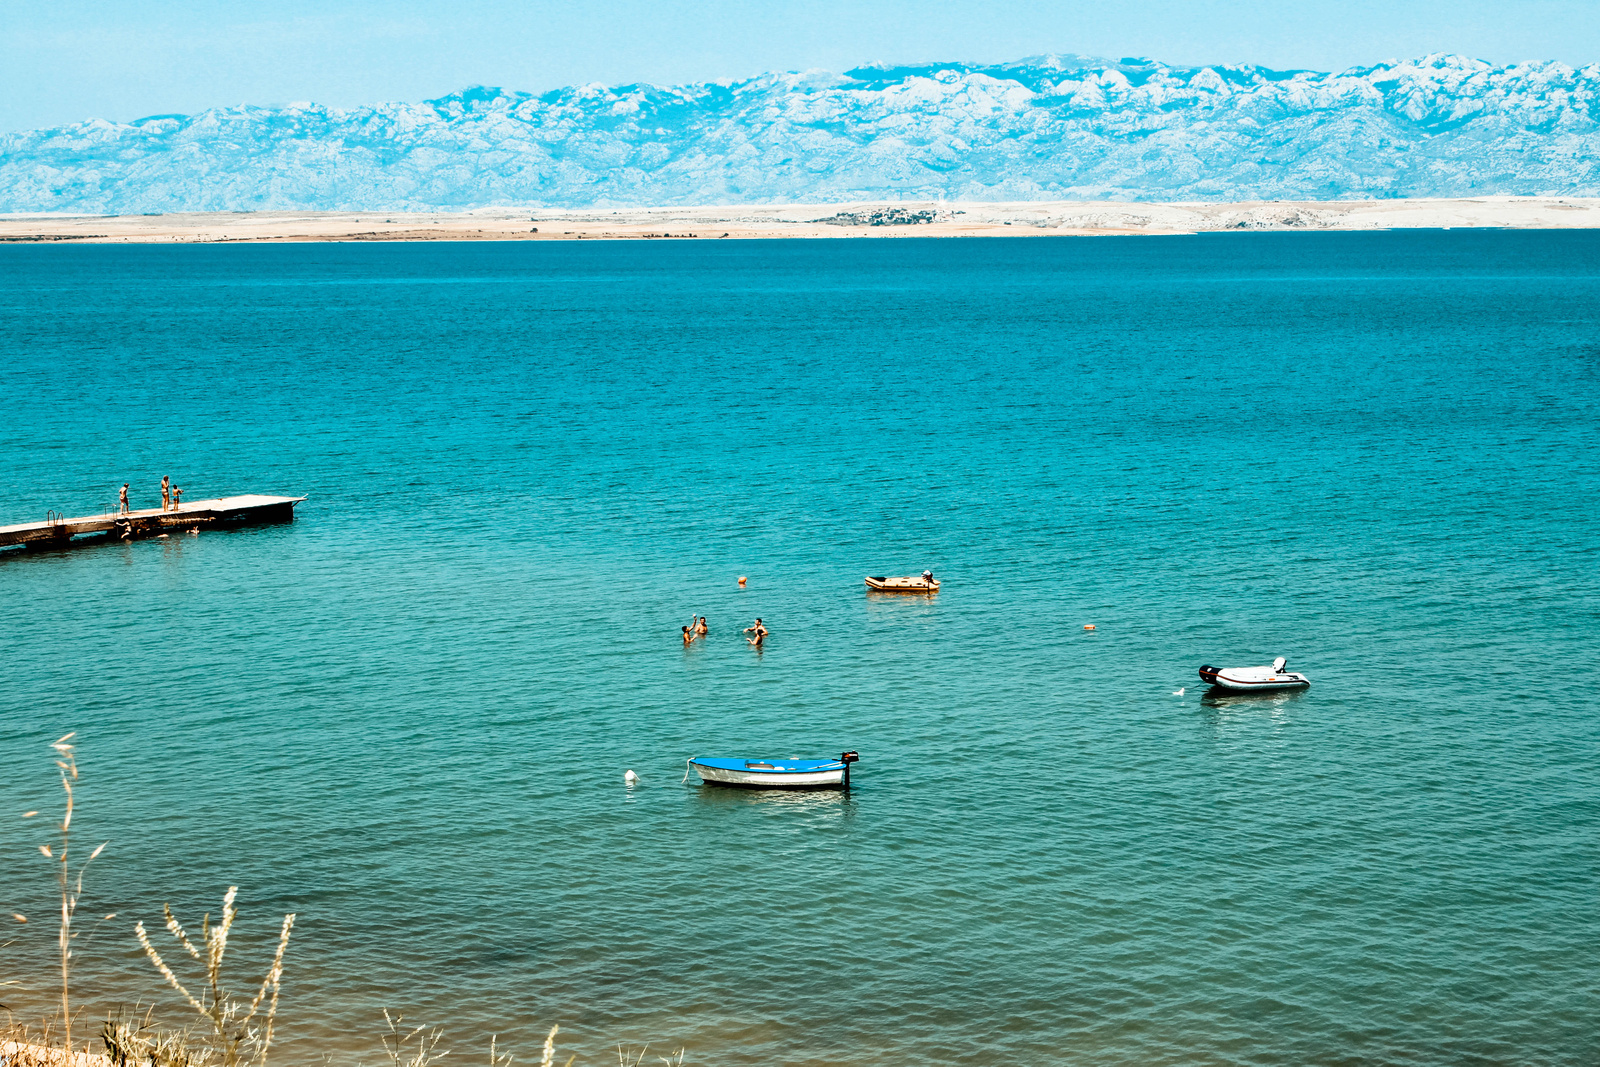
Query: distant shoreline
{"type": "Point", "coordinates": [815, 221]}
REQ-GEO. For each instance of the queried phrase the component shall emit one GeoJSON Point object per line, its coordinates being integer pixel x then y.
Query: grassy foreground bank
{"type": "Point", "coordinates": [230, 1025]}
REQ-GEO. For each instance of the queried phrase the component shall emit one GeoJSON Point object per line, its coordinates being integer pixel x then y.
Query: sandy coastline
{"type": "Point", "coordinates": [818, 221]}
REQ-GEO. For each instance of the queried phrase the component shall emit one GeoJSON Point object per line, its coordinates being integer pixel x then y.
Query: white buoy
{"type": "Point", "coordinates": [630, 778]}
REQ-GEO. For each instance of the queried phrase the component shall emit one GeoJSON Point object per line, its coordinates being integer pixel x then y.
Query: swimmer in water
{"type": "Point", "coordinates": [688, 637]}
{"type": "Point", "coordinates": [758, 632]}
{"type": "Point", "coordinates": [701, 628]}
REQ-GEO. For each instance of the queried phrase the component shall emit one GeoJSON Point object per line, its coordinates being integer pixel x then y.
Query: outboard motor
{"type": "Point", "coordinates": [1278, 664]}
{"type": "Point", "coordinates": [847, 759]}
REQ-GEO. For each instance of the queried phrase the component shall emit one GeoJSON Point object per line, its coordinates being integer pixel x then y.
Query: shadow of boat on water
{"type": "Point", "coordinates": [901, 605]}
{"type": "Point", "coordinates": [1219, 699]}
{"type": "Point", "coordinates": [801, 801]}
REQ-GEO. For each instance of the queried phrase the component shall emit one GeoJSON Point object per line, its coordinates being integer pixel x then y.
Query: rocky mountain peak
{"type": "Point", "coordinates": [1052, 126]}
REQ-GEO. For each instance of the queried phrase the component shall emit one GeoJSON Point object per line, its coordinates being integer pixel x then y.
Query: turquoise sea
{"type": "Point", "coordinates": [406, 716]}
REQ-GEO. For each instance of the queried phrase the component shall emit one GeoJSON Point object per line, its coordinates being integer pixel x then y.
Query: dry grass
{"type": "Point", "coordinates": [675, 1060]}
{"type": "Point", "coordinates": [58, 852]}
{"type": "Point", "coordinates": [71, 889]}
{"type": "Point", "coordinates": [228, 1032]}
{"type": "Point", "coordinates": [234, 1036]}
{"type": "Point", "coordinates": [414, 1048]}
{"type": "Point", "coordinates": [133, 1042]}
{"type": "Point", "coordinates": [19, 1053]}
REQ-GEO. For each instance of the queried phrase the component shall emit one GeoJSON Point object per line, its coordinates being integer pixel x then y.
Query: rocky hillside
{"type": "Point", "coordinates": [1050, 127]}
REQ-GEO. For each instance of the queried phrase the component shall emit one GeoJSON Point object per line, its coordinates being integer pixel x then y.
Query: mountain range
{"type": "Point", "coordinates": [1052, 127]}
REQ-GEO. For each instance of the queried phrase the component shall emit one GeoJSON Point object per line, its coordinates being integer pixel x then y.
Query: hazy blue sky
{"type": "Point", "coordinates": [64, 60]}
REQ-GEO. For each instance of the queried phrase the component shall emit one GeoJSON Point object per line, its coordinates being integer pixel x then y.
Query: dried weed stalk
{"type": "Point", "coordinates": [71, 888]}
{"type": "Point", "coordinates": [414, 1048]}
{"type": "Point", "coordinates": [623, 1060]}
{"type": "Point", "coordinates": [10, 981]}
{"type": "Point", "coordinates": [236, 1037]}
{"type": "Point", "coordinates": [550, 1048]}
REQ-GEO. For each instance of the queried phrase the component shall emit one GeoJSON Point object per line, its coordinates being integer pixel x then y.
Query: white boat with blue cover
{"type": "Point", "coordinates": [775, 773]}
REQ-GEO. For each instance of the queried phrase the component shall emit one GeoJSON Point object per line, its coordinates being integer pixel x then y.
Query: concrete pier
{"type": "Point", "coordinates": [59, 531]}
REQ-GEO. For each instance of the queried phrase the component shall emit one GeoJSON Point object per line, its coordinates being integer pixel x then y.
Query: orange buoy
{"type": "Point", "coordinates": [1089, 627]}
{"type": "Point", "coordinates": [741, 579]}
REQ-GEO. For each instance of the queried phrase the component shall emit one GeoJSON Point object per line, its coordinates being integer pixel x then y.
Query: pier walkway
{"type": "Point", "coordinates": [58, 531]}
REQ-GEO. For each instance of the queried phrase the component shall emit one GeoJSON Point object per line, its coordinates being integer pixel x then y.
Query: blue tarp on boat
{"type": "Point", "coordinates": [768, 766]}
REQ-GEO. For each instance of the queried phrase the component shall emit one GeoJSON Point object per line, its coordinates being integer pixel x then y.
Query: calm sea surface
{"type": "Point", "coordinates": [407, 715]}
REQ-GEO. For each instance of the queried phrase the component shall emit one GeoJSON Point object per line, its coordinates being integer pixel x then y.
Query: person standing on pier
{"type": "Point", "coordinates": [166, 492]}
{"type": "Point", "coordinates": [177, 497]}
{"type": "Point", "coordinates": [122, 499]}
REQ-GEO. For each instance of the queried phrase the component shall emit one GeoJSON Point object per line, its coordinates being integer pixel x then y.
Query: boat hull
{"type": "Point", "coordinates": [901, 585]}
{"type": "Point", "coordinates": [783, 775]}
{"type": "Point", "coordinates": [1252, 679]}
{"type": "Point", "coordinates": [756, 780]}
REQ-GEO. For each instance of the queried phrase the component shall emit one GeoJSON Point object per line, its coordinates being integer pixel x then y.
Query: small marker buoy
{"type": "Point", "coordinates": [1089, 627]}
{"type": "Point", "coordinates": [630, 778]}
{"type": "Point", "coordinates": [741, 579]}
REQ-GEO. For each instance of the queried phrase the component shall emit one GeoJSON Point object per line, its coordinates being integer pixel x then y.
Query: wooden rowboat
{"type": "Point", "coordinates": [774, 773]}
{"type": "Point", "coordinates": [903, 585]}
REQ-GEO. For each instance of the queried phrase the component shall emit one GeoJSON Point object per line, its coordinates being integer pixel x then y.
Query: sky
{"type": "Point", "coordinates": [66, 60]}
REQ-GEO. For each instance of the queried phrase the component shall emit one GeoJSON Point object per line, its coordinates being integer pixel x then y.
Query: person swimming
{"type": "Point", "coordinates": [758, 633]}
{"type": "Point", "coordinates": [701, 628]}
{"type": "Point", "coordinates": [688, 637]}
